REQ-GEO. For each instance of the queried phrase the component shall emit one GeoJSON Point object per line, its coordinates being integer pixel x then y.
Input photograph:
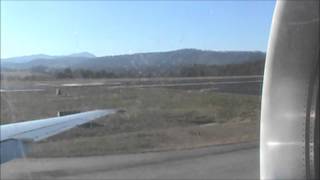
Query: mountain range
{"type": "Point", "coordinates": [168, 59]}
{"type": "Point", "coordinates": [25, 59]}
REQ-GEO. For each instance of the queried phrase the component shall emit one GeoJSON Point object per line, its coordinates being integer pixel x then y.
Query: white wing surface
{"type": "Point", "coordinates": [13, 136]}
{"type": "Point", "coordinates": [37, 130]}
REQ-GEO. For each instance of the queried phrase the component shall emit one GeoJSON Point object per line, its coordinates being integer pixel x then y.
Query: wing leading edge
{"type": "Point", "coordinates": [13, 135]}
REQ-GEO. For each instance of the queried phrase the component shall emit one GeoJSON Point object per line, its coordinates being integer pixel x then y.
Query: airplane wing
{"type": "Point", "coordinates": [14, 136]}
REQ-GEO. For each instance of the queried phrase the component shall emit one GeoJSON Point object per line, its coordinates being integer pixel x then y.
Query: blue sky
{"type": "Point", "coordinates": [110, 28]}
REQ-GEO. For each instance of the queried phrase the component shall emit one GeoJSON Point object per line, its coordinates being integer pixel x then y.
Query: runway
{"type": "Point", "coordinates": [216, 162]}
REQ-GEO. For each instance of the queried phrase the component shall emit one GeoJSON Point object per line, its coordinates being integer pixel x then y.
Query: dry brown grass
{"type": "Point", "coordinates": [156, 118]}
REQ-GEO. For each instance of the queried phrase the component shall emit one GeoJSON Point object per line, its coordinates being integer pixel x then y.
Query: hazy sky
{"type": "Point", "coordinates": [108, 28]}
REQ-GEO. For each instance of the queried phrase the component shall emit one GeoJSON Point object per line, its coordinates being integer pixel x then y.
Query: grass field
{"type": "Point", "coordinates": [155, 119]}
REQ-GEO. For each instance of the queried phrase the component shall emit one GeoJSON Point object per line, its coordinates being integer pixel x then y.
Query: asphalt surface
{"type": "Point", "coordinates": [216, 162]}
{"type": "Point", "coordinates": [251, 85]}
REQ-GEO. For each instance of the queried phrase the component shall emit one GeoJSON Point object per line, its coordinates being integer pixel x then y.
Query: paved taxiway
{"type": "Point", "coordinates": [216, 162]}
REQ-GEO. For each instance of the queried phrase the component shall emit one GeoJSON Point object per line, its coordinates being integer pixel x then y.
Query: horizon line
{"type": "Point", "coordinates": [133, 53]}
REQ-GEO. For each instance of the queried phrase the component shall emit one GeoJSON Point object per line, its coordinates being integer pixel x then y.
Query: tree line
{"type": "Point", "coordinates": [194, 70]}
{"type": "Point", "coordinates": [250, 68]}
{"type": "Point", "coordinates": [83, 73]}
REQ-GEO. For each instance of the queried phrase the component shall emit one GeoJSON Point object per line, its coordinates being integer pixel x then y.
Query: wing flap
{"type": "Point", "coordinates": [11, 149]}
